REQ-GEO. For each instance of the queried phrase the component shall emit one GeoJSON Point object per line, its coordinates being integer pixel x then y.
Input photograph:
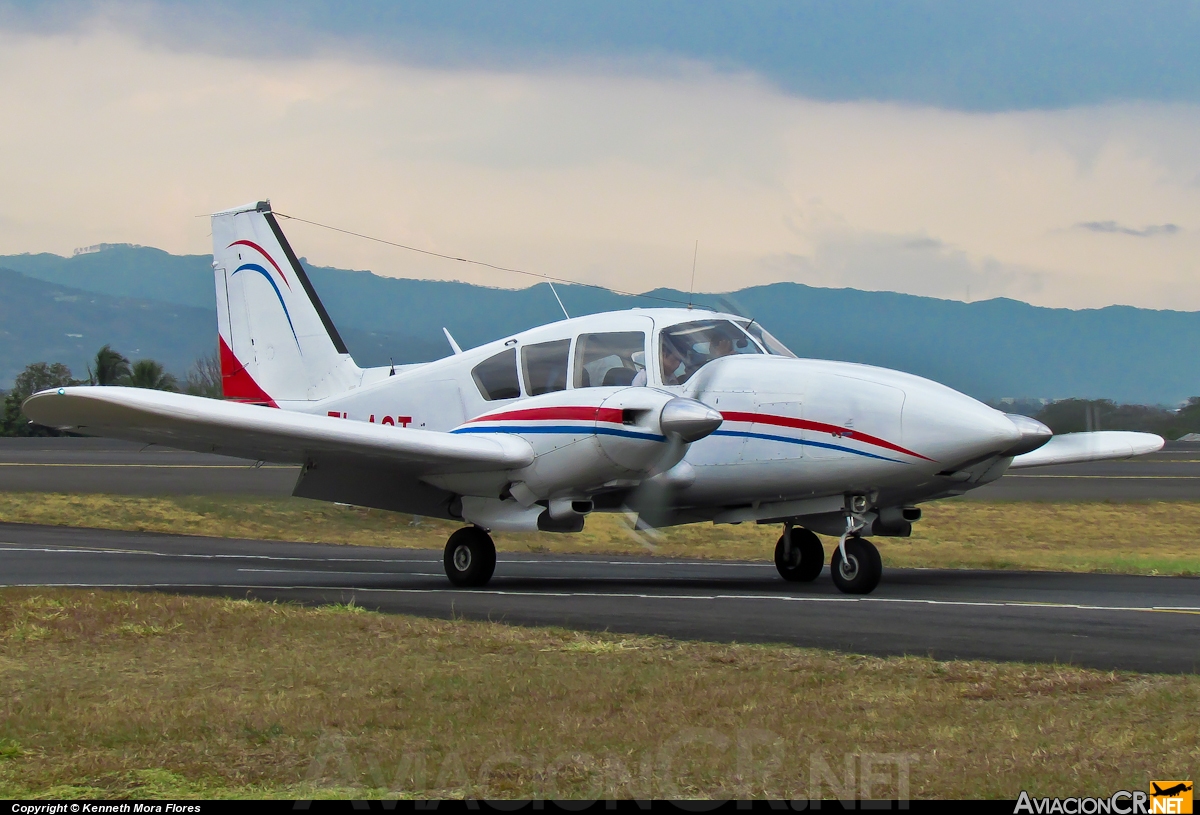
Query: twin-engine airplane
{"type": "Point", "coordinates": [677, 414]}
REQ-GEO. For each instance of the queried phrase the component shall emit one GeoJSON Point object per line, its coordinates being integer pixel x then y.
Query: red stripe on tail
{"type": "Point", "coordinates": [236, 382]}
{"type": "Point", "coordinates": [270, 259]}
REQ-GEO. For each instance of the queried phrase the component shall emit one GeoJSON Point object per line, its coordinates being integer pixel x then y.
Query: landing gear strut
{"type": "Point", "coordinates": [470, 557]}
{"type": "Point", "coordinates": [859, 569]}
{"type": "Point", "coordinates": [799, 555]}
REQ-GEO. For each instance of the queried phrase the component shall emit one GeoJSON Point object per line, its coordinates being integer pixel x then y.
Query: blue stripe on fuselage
{"type": "Point", "coordinates": [802, 442]}
{"type": "Point", "coordinates": [566, 429]}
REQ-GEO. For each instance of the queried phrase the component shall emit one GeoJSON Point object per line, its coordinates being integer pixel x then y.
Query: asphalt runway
{"type": "Point", "coordinates": [81, 465]}
{"type": "Point", "coordinates": [1101, 621]}
{"type": "Point", "coordinates": [1171, 474]}
{"type": "Point", "coordinates": [101, 465]}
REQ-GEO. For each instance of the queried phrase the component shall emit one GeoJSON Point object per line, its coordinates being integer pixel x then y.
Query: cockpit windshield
{"type": "Point", "coordinates": [687, 347]}
{"type": "Point", "coordinates": [765, 339]}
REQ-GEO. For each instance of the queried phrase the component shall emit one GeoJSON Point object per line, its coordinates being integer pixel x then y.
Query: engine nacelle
{"type": "Point", "coordinates": [584, 440]}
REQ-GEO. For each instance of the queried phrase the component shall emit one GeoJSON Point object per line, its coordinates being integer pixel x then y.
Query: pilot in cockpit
{"type": "Point", "coordinates": [721, 345]}
{"type": "Point", "coordinates": [672, 365]}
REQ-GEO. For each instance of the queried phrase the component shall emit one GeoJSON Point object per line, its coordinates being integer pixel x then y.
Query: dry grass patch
{"type": "Point", "coordinates": [153, 695]}
{"type": "Point", "coordinates": [1140, 538]}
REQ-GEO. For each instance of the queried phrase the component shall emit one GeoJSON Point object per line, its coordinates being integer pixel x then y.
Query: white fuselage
{"type": "Point", "coordinates": [798, 434]}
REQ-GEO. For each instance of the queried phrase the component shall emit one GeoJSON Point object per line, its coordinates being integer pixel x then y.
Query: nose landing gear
{"type": "Point", "coordinates": [470, 557]}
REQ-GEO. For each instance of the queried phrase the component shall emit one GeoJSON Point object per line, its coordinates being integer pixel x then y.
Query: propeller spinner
{"type": "Point", "coordinates": [688, 419]}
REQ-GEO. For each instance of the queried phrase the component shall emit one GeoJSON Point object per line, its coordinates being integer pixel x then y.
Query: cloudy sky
{"type": "Point", "coordinates": [1046, 152]}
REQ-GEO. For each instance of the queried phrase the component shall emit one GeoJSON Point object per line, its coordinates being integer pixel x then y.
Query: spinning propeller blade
{"type": "Point", "coordinates": [683, 421]}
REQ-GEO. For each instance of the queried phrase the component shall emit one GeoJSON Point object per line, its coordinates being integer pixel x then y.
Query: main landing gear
{"type": "Point", "coordinates": [799, 557]}
{"type": "Point", "coordinates": [470, 557]}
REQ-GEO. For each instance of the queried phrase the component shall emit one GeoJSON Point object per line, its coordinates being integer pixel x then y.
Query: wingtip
{"type": "Point", "coordinates": [39, 407]}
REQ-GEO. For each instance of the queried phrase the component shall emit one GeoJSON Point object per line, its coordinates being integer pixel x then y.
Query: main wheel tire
{"type": "Point", "coordinates": [808, 557]}
{"type": "Point", "coordinates": [861, 570]}
{"type": "Point", "coordinates": [470, 557]}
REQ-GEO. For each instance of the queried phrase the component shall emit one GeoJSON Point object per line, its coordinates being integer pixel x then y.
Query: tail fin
{"type": "Point", "coordinates": [277, 341]}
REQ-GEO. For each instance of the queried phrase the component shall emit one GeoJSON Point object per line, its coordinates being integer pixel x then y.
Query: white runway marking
{"type": "Point", "coordinates": [339, 571]}
{"type": "Point", "coordinates": [1019, 605]}
{"type": "Point", "coordinates": [1116, 477]}
{"type": "Point", "coordinates": [156, 466]}
{"type": "Point", "coordinates": [6, 546]}
{"type": "Point", "coordinates": [11, 547]}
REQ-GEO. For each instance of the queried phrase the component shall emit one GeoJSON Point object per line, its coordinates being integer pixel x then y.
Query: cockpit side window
{"type": "Point", "coordinates": [687, 347]}
{"type": "Point", "coordinates": [545, 366]}
{"type": "Point", "coordinates": [496, 376]}
{"type": "Point", "coordinates": [606, 360]}
{"type": "Point", "coordinates": [764, 337]}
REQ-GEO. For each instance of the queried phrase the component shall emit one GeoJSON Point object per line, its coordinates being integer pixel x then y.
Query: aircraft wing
{"type": "Point", "coordinates": [266, 434]}
{"type": "Point", "coordinates": [1071, 448]}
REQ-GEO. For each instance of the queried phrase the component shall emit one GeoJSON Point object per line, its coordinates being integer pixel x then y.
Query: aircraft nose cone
{"type": "Point", "coordinates": [1033, 434]}
{"type": "Point", "coordinates": [688, 419]}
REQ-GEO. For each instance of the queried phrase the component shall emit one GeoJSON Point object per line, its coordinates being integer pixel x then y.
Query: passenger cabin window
{"type": "Point", "coordinates": [606, 360]}
{"type": "Point", "coordinates": [687, 347]}
{"type": "Point", "coordinates": [767, 341]}
{"type": "Point", "coordinates": [545, 366]}
{"type": "Point", "coordinates": [496, 376]}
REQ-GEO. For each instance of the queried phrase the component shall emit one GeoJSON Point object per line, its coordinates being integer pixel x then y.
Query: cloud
{"type": "Point", "coordinates": [603, 178]}
{"type": "Point", "coordinates": [1112, 227]}
{"type": "Point", "coordinates": [912, 264]}
{"type": "Point", "coordinates": [969, 56]}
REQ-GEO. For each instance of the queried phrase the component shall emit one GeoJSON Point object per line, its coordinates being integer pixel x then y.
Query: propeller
{"type": "Point", "coordinates": [648, 506]}
{"type": "Point", "coordinates": [730, 305]}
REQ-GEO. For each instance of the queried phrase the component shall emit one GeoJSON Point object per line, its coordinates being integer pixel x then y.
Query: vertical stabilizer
{"type": "Point", "coordinates": [277, 341]}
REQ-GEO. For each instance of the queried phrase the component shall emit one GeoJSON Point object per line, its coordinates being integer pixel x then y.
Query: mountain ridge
{"type": "Point", "coordinates": [989, 349]}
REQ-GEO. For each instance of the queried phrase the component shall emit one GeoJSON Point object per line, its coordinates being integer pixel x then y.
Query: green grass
{"type": "Point", "coordinates": [1138, 538]}
{"type": "Point", "coordinates": [111, 694]}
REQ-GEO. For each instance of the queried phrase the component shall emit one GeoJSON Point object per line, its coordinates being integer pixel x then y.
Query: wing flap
{"type": "Point", "coordinates": [1072, 448]}
{"type": "Point", "coordinates": [266, 434]}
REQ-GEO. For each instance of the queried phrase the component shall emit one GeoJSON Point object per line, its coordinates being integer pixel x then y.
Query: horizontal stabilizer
{"type": "Point", "coordinates": [265, 434]}
{"type": "Point", "coordinates": [1071, 448]}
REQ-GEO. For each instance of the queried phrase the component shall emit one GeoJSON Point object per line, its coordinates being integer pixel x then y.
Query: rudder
{"type": "Point", "coordinates": [277, 342]}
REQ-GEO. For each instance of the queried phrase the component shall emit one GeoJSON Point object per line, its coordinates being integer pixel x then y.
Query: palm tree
{"type": "Point", "coordinates": [109, 367]}
{"type": "Point", "coordinates": [147, 373]}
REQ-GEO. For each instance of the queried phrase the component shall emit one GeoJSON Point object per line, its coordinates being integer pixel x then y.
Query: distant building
{"type": "Point", "coordinates": [100, 247]}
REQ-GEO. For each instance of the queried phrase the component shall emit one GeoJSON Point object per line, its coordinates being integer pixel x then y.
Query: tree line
{"type": "Point", "coordinates": [1080, 415]}
{"type": "Point", "coordinates": [108, 367]}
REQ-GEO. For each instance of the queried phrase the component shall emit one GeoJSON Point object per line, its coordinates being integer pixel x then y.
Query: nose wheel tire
{"type": "Point", "coordinates": [470, 557]}
{"type": "Point", "coordinates": [859, 573]}
{"type": "Point", "coordinates": [806, 560]}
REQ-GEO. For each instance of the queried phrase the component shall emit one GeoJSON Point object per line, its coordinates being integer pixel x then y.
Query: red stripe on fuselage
{"type": "Point", "coordinates": [820, 427]}
{"type": "Point", "coordinates": [587, 414]}
{"type": "Point", "coordinates": [263, 252]}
